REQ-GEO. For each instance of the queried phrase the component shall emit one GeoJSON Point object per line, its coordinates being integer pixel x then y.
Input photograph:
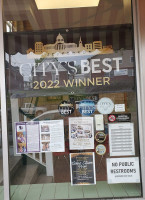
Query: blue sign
{"type": "Point", "coordinates": [87, 107]}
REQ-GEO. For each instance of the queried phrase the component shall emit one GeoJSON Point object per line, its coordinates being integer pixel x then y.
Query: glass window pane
{"type": "Point", "coordinates": [71, 99]}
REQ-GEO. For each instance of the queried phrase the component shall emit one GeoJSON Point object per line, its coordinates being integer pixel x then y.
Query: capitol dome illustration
{"type": "Point", "coordinates": [60, 47]}
{"type": "Point", "coordinates": [59, 39]}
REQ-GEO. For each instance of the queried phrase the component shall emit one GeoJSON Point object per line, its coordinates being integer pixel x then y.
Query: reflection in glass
{"type": "Point", "coordinates": [55, 59]}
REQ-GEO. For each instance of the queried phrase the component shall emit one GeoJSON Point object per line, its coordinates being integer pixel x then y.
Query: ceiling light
{"type": "Point", "coordinates": [56, 4]}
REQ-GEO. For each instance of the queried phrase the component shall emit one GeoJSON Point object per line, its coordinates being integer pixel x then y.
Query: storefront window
{"type": "Point", "coordinates": [71, 101]}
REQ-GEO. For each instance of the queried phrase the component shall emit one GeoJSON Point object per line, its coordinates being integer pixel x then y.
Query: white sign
{"type": "Point", "coordinates": [43, 136]}
{"type": "Point", "coordinates": [121, 139]}
{"type": "Point", "coordinates": [33, 137]}
{"type": "Point", "coordinates": [81, 133]}
{"type": "Point", "coordinates": [123, 170]}
{"type": "Point", "coordinates": [52, 136]}
{"type": "Point", "coordinates": [121, 72]}
{"type": "Point", "coordinates": [119, 107]}
{"type": "Point", "coordinates": [105, 106]}
{"type": "Point", "coordinates": [99, 122]}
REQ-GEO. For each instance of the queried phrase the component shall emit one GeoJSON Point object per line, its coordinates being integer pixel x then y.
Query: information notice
{"type": "Point", "coordinates": [43, 136]}
{"type": "Point", "coordinates": [123, 170]}
{"type": "Point", "coordinates": [121, 139]}
{"type": "Point", "coordinates": [82, 166]}
{"type": "Point", "coordinates": [32, 137]}
{"type": "Point", "coordinates": [81, 133]}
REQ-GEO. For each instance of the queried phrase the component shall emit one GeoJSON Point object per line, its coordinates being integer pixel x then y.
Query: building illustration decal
{"type": "Point", "coordinates": [71, 67]}
{"type": "Point", "coordinates": [61, 48]}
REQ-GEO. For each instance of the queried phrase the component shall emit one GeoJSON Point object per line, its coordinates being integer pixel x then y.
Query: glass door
{"type": "Point", "coordinates": [71, 100]}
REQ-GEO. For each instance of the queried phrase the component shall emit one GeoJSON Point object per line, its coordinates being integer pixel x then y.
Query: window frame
{"type": "Point", "coordinates": [140, 60]}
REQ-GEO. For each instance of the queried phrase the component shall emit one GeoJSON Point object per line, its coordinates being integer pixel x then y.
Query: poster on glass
{"type": "Point", "coordinates": [82, 167]}
{"type": "Point", "coordinates": [81, 133]}
{"type": "Point", "coordinates": [43, 136]}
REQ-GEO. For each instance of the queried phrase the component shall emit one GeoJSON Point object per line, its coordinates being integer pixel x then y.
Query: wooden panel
{"type": "Point", "coordinates": [1, 188]}
{"type": "Point", "coordinates": [103, 189]}
{"type": "Point", "coordinates": [20, 192]}
{"type": "Point", "coordinates": [75, 192]}
{"type": "Point", "coordinates": [61, 191]}
{"type": "Point", "coordinates": [34, 192]}
{"type": "Point", "coordinates": [132, 190]}
{"type": "Point", "coordinates": [48, 191]}
{"type": "Point", "coordinates": [118, 190]}
{"type": "Point", "coordinates": [1, 193]}
{"type": "Point", "coordinates": [66, 191]}
{"type": "Point", "coordinates": [13, 189]}
{"type": "Point", "coordinates": [90, 191]}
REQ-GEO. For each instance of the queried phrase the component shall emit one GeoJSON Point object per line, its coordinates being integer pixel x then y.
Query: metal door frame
{"type": "Point", "coordinates": [3, 111]}
{"type": "Point", "coordinates": [140, 72]}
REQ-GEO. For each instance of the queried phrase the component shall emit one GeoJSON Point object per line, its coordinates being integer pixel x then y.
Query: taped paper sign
{"type": "Point", "coordinates": [123, 170]}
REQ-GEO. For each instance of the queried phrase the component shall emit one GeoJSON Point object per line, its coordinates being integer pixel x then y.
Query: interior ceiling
{"type": "Point", "coordinates": [109, 12]}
